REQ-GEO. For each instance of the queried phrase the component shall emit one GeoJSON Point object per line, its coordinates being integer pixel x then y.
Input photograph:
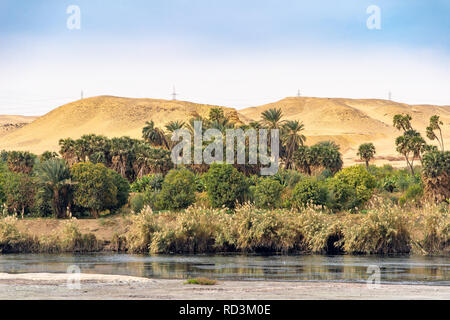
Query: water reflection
{"type": "Point", "coordinates": [408, 269]}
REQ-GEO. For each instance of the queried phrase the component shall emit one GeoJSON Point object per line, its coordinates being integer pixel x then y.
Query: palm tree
{"type": "Point", "coordinates": [292, 139]}
{"type": "Point", "coordinates": [121, 154]}
{"type": "Point", "coordinates": [54, 176]}
{"type": "Point", "coordinates": [271, 118]}
{"type": "Point", "coordinates": [21, 161]}
{"type": "Point", "coordinates": [411, 145]}
{"type": "Point", "coordinates": [67, 150]}
{"type": "Point", "coordinates": [154, 135]}
{"type": "Point", "coordinates": [172, 126]}
{"type": "Point", "coordinates": [216, 115]}
{"type": "Point", "coordinates": [402, 122]}
{"type": "Point", "coordinates": [435, 124]}
{"type": "Point", "coordinates": [366, 152]}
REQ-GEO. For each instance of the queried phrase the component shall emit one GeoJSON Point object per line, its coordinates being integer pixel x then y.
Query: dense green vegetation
{"type": "Point", "coordinates": [311, 205]}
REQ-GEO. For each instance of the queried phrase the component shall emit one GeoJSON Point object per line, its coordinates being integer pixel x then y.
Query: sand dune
{"type": "Point", "coordinates": [349, 122]}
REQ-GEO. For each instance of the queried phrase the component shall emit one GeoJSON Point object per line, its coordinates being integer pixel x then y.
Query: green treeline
{"type": "Point", "coordinates": [311, 204]}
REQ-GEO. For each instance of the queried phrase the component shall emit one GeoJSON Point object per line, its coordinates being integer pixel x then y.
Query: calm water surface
{"type": "Point", "coordinates": [404, 269]}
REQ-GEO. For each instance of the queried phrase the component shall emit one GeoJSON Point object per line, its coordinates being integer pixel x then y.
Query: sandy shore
{"type": "Point", "coordinates": [94, 286]}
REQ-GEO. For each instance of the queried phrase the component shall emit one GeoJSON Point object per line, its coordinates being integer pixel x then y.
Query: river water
{"type": "Point", "coordinates": [344, 268]}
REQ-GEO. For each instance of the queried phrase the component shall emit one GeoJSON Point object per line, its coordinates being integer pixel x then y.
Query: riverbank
{"type": "Point", "coordinates": [45, 286]}
{"type": "Point", "coordinates": [384, 230]}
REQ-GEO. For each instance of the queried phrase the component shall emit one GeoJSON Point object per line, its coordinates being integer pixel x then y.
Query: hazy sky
{"type": "Point", "coordinates": [228, 52]}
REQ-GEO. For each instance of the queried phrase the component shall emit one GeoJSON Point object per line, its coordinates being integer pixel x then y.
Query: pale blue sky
{"type": "Point", "coordinates": [235, 53]}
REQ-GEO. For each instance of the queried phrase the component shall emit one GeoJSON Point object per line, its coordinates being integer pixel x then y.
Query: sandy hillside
{"type": "Point", "coordinates": [110, 116]}
{"type": "Point", "coordinates": [349, 122]}
{"type": "Point", "coordinates": [11, 123]}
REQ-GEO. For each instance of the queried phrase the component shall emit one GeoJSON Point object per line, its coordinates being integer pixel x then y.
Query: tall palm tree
{"type": "Point", "coordinates": [271, 118]}
{"type": "Point", "coordinates": [54, 176]}
{"type": "Point", "coordinates": [122, 154]}
{"type": "Point", "coordinates": [154, 135]}
{"type": "Point", "coordinates": [292, 139]}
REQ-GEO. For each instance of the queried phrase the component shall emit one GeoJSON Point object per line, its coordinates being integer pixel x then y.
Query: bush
{"type": "Point", "coordinates": [352, 187]}
{"type": "Point", "coordinates": [267, 193]}
{"type": "Point", "coordinates": [11, 240]}
{"type": "Point", "coordinates": [150, 182]}
{"type": "Point", "coordinates": [201, 281]}
{"type": "Point", "coordinates": [95, 187]}
{"type": "Point", "coordinates": [3, 181]}
{"type": "Point", "coordinates": [137, 202]}
{"type": "Point", "coordinates": [74, 241]}
{"type": "Point", "coordinates": [178, 190]}
{"type": "Point", "coordinates": [123, 189]}
{"type": "Point", "coordinates": [413, 194]}
{"type": "Point", "coordinates": [308, 192]}
{"type": "Point", "coordinates": [20, 193]}
{"type": "Point", "coordinates": [225, 185]}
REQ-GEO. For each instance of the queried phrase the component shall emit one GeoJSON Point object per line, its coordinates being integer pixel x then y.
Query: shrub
{"type": "Point", "coordinates": [150, 182]}
{"type": "Point", "coordinates": [308, 191]}
{"type": "Point", "coordinates": [123, 189]}
{"type": "Point", "coordinates": [413, 194]}
{"type": "Point", "coordinates": [3, 181]}
{"type": "Point", "coordinates": [267, 193]}
{"type": "Point", "coordinates": [20, 193]}
{"type": "Point", "coordinates": [137, 202]}
{"type": "Point", "coordinates": [225, 185]}
{"type": "Point", "coordinates": [201, 281]}
{"type": "Point", "coordinates": [352, 187]}
{"type": "Point", "coordinates": [95, 187]}
{"type": "Point", "coordinates": [74, 241]}
{"type": "Point", "coordinates": [178, 190]}
{"type": "Point", "coordinates": [11, 240]}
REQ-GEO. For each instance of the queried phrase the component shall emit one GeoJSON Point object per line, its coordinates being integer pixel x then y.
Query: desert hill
{"type": "Point", "coordinates": [349, 122]}
{"type": "Point", "coordinates": [110, 116]}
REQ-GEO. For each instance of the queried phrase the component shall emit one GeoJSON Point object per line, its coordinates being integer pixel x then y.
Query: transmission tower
{"type": "Point", "coordinates": [174, 94]}
{"type": "Point", "coordinates": [82, 95]}
{"type": "Point", "coordinates": [390, 96]}
{"type": "Point", "coordinates": [299, 94]}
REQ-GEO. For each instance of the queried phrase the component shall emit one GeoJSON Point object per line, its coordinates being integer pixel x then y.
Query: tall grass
{"type": "Point", "coordinates": [383, 229]}
{"type": "Point", "coordinates": [70, 239]}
